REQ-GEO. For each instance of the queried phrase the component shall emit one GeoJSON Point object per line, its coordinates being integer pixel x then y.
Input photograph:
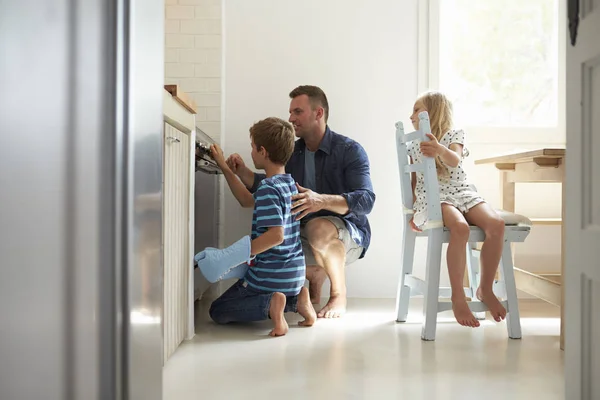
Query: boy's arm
{"type": "Point", "coordinates": [271, 238]}
{"type": "Point", "coordinates": [243, 196]}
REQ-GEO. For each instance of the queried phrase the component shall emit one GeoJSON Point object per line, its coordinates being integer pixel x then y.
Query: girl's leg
{"type": "Point", "coordinates": [457, 259]}
{"type": "Point", "coordinates": [484, 216]}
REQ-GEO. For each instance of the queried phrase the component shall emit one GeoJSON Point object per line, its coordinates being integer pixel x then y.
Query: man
{"type": "Point", "coordinates": [335, 196]}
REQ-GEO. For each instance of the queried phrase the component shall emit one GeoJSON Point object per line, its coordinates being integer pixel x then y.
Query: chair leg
{"type": "Point", "coordinates": [432, 287]}
{"type": "Point", "coordinates": [408, 253]}
{"type": "Point", "coordinates": [513, 321]}
{"type": "Point", "coordinates": [473, 274]}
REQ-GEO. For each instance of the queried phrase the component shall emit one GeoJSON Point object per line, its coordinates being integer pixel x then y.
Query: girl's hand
{"type": "Point", "coordinates": [432, 148]}
{"type": "Point", "coordinates": [413, 226]}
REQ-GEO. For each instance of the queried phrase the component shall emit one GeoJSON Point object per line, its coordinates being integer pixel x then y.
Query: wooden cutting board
{"type": "Point", "coordinates": [182, 98]}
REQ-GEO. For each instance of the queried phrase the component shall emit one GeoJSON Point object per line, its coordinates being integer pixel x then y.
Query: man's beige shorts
{"type": "Point", "coordinates": [353, 250]}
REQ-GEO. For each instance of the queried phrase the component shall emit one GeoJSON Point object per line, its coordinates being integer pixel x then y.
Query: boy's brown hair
{"type": "Point", "coordinates": [276, 136]}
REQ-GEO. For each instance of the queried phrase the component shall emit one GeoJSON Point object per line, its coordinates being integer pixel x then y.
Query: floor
{"type": "Point", "coordinates": [366, 355]}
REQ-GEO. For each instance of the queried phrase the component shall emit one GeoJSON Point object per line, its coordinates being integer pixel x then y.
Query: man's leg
{"type": "Point", "coordinates": [330, 253]}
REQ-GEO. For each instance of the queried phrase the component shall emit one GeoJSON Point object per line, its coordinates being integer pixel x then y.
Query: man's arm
{"type": "Point", "coordinates": [271, 238]}
{"type": "Point", "coordinates": [358, 200]}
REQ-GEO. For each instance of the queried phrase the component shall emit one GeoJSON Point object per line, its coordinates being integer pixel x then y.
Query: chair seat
{"type": "Point", "coordinates": [512, 219]}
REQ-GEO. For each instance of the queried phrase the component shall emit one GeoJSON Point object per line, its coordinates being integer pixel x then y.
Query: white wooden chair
{"type": "Point", "coordinates": [517, 229]}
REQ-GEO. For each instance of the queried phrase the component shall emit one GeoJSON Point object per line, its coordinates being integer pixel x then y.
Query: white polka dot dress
{"type": "Point", "coordinates": [454, 187]}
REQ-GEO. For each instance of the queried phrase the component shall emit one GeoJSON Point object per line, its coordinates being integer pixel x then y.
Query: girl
{"type": "Point", "coordinates": [461, 206]}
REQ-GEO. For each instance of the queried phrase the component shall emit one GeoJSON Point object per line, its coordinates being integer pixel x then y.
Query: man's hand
{"type": "Point", "coordinates": [432, 148]}
{"type": "Point", "coordinates": [217, 154]}
{"type": "Point", "coordinates": [236, 163]}
{"type": "Point", "coordinates": [306, 202]}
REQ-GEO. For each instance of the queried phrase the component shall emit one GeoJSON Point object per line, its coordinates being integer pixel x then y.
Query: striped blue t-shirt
{"type": "Point", "coordinates": [281, 268]}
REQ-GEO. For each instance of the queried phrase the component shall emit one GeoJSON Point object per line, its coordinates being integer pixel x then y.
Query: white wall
{"type": "Point", "coordinates": [193, 56]}
{"type": "Point", "coordinates": [365, 62]}
{"type": "Point", "coordinates": [364, 56]}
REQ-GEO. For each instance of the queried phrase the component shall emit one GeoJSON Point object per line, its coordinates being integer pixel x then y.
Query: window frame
{"type": "Point", "coordinates": [429, 71]}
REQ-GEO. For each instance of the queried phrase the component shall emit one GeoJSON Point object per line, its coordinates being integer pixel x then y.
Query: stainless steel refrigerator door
{"type": "Point", "coordinates": [80, 147]}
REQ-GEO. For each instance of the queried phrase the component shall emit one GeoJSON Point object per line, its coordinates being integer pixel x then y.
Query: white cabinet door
{"type": "Point", "coordinates": [176, 237]}
{"type": "Point", "coordinates": [582, 268]}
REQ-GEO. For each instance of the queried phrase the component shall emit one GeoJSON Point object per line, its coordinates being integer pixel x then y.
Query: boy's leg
{"type": "Point", "coordinates": [241, 304]}
{"type": "Point", "coordinates": [456, 258]}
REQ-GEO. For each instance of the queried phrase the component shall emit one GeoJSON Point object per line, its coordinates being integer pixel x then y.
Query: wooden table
{"type": "Point", "coordinates": [542, 165]}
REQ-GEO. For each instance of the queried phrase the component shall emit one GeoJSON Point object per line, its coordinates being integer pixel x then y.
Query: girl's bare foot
{"type": "Point", "coordinates": [306, 309]}
{"type": "Point", "coordinates": [280, 326]}
{"type": "Point", "coordinates": [493, 304]}
{"type": "Point", "coordinates": [463, 313]}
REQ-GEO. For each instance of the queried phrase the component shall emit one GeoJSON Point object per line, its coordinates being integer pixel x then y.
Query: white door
{"type": "Point", "coordinates": [582, 268]}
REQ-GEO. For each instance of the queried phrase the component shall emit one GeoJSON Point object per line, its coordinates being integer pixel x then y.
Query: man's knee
{"type": "Point", "coordinates": [321, 233]}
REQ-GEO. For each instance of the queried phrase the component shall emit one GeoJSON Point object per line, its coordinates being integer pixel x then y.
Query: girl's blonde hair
{"type": "Point", "coordinates": [440, 118]}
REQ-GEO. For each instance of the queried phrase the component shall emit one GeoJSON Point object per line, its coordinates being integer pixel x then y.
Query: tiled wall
{"type": "Point", "coordinates": [193, 56]}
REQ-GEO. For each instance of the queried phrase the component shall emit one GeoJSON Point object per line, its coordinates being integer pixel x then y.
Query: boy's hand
{"type": "Point", "coordinates": [432, 148]}
{"type": "Point", "coordinates": [217, 154]}
{"type": "Point", "coordinates": [236, 163]}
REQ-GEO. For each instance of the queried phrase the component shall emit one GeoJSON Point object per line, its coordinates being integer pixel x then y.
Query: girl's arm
{"type": "Point", "coordinates": [450, 156]}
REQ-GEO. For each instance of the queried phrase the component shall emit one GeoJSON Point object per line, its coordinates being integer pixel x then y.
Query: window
{"type": "Point", "coordinates": [502, 64]}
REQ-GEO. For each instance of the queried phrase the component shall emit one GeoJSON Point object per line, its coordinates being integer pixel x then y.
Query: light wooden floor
{"type": "Point", "coordinates": [367, 355]}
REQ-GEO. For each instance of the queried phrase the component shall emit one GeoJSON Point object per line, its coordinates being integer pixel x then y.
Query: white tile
{"type": "Point", "coordinates": [180, 12]}
{"type": "Point", "coordinates": [207, 99]}
{"type": "Point", "coordinates": [201, 27]}
{"type": "Point", "coordinates": [209, 12]}
{"type": "Point", "coordinates": [208, 71]}
{"type": "Point", "coordinates": [200, 2]}
{"type": "Point", "coordinates": [193, 85]}
{"type": "Point", "coordinates": [194, 56]}
{"type": "Point", "coordinates": [172, 26]}
{"type": "Point", "coordinates": [178, 70]}
{"type": "Point", "coordinates": [171, 55]}
{"type": "Point", "coordinates": [213, 114]}
{"type": "Point", "coordinates": [213, 85]}
{"type": "Point", "coordinates": [209, 41]}
{"type": "Point", "coordinates": [366, 355]}
{"type": "Point", "coordinates": [178, 41]}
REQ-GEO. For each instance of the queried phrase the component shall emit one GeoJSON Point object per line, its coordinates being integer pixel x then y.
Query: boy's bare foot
{"type": "Point", "coordinates": [280, 326]}
{"type": "Point", "coordinates": [335, 307]}
{"type": "Point", "coordinates": [316, 278]}
{"type": "Point", "coordinates": [493, 304]}
{"type": "Point", "coordinates": [306, 309]}
{"type": "Point", "coordinates": [463, 313]}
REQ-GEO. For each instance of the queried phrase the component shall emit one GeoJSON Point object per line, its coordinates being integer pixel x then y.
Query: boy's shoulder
{"type": "Point", "coordinates": [279, 183]}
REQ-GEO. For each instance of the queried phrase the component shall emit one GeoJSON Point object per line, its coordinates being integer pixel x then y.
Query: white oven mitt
{"type": "Point", "coordinates": [227, 263]}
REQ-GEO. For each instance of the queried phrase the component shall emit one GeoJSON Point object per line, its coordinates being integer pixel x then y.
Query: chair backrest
{"type": "Point", "coordinates": [427, 168]}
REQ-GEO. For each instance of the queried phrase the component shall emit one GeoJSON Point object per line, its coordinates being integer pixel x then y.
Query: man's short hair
{"type": "Point", "coordinates": [276, 136]}
{"type": "Point", "coordinates": [315, 95]}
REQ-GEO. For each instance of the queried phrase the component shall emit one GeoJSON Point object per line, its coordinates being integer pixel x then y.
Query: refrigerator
{"type": "Point", "coordinates": [80, 199]}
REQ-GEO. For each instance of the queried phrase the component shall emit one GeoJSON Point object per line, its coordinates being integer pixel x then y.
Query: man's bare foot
{"type": "Point", "coordinates": [306, 309]}
{"type": "Point", "coordinates": [493, 304]}
{"type": "Point", "coordinates": [316, 278]}
{"type": "Point", "coordinates": [335, 307]}
{"type": "Point", "coordinates": [463, 313]}
{"type": "Point", "coordinates": [280, 326]}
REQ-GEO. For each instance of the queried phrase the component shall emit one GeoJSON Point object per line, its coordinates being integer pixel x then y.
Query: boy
{"type": "Point", "coordinates": [274, 283]}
